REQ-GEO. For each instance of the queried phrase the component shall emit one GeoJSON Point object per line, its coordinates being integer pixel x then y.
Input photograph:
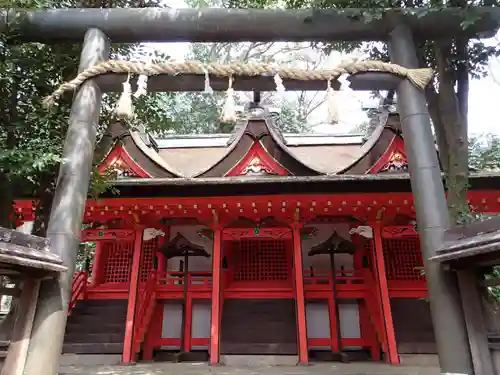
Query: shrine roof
{"type": "Point", "coordinates": [291, 139]}
{"type": "Point", "coordinates": [256, 146]}
{"type": "Point", "coordinates": [281, 185]}
{"type": "Point", "coordinates": [476, 243]}
{"type": "Point", "coordinates": [23, 253]}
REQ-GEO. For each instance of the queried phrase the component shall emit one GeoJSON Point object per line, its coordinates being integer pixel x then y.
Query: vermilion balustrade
{"type": "Point", "coordinates": [78, 288]}
{"type": "Point", "coordinates": [319, 279]}
{"type": "Point", "coordinates": [175, 280]}
{"type": "Point", "coordinates": [145, 308]}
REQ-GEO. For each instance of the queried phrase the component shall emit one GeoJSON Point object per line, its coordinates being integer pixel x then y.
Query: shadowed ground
{"type": "Point", "coordinates": [204, 369]}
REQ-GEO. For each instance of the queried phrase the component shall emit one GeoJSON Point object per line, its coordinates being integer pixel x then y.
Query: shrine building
{"type": "Point", "coordinates": [256, 243]}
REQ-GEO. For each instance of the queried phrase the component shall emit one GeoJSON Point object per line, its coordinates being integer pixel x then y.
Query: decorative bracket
{"type": "Point", "coordinates": [363, 231]}
{"type": "Point", "coordinates": [150, 233]}
{"type": "Point", "coordinates": [92, 235]}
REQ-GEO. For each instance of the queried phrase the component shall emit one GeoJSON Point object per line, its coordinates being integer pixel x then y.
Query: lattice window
{"type": "Point", "coordinates": [403, 259]}
{"type": "Point", "coordinates": [118, 261]}
{"type": "Point", "coordinates": [148, 251]}
{"type": "Point", "coordinates": [260, 260]}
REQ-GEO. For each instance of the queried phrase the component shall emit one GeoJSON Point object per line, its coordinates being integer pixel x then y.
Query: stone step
{"type": "Point", "coordinates": [98, 304]}
{"type": "Point", "coordinates": [173, 356]}
{"type": "Point", "coordinates": [85, 337]}
{"type": "Point", "coordinates": [71, 359]}
{"type": "Point", "coordinates": [103, 302]}
{"type": "Point", "coordinates": [93, 348]}
{"type": "Point", "coordinates": [97, 308]}
{"type": "Point", "coordinates": [96, 319]}
{"type": "Point", "coordinates": [97, 327]}
{"type": "Point", "coordinates": [107, 315]}
{"type": "Point", "coordinates": [259, 360]}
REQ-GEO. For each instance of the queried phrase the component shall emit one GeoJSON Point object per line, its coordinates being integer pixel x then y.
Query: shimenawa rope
{"type": "Point", "coordinates": [418, 77]}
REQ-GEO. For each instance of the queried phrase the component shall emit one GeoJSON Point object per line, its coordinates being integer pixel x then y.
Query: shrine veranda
{"type": "Point", "coordinates": [287, 206]}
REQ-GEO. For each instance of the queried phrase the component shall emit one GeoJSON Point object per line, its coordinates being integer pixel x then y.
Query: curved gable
{"type": "Point", "coordinates": [130, 155]}
{"type": "Point", "coordinates": [258, 145]}
{"type": "Point", "coordinates": [257, 162]}
{"type": "Point", "coordinates": [393, 160]}
{"type": "Point", "coordinates": [121, 162]}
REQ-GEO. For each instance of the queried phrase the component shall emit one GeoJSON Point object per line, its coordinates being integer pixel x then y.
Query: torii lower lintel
{"type": "Point", "coordinates": [368, 81]}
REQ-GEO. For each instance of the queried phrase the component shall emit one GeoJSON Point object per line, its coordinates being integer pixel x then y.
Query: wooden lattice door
{"type": "Point", "coordinates": [118, 260]}
{"type": "Point", "coordinates": [403, 259]}
{"type": "Point", "coordinates": [149, 249]}
{"type": "Point", "coordinates": [260, 262]}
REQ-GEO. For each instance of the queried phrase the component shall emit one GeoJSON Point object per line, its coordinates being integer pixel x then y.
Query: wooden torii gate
{"type": "Point", "coordinates": [97, 26]}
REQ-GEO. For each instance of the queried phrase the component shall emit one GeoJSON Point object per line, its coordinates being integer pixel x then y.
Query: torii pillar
{"type": "Point", "coordinates": [67, 212]}
{"type": "Point", "coordinates": [432, 212]}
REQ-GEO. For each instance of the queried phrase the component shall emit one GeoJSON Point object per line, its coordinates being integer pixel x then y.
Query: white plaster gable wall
{"type": "Point", "coordinates": [322, 262]}
{"type": "Point", "coordinates": [195, 263]}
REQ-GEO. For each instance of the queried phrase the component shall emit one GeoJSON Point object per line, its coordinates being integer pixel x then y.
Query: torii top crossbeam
{"type": "Point", "coordinates": [240, 25]}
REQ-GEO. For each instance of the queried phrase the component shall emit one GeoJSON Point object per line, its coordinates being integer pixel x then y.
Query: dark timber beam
{"type": "Point", "coordinates": [240, 25]}
{"type": "Point", "coordinates": [66, 215]}
{"type": "Point", "coordinates": [474, 319]}
{"type": "Point", "coordinates": [190, 82]}
{"type": "Point", "coordinates": [432, 212]}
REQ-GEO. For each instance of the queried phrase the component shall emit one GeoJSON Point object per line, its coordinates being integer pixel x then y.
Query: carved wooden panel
{"type": "Point", "coordinates": [399, 231]}
{"type": "Point", "coordinates": [234, 234]}
{"type": "Point", "coordinates": [91, 235]}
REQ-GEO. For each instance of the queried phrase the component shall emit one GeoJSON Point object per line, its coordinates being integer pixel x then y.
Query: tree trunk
{"type": "Point", "coordinates": [6, 200]}
{"type": "Point", "coordinates": [45, 194]}
{"type": "Point", "coordinates": [447, 109]}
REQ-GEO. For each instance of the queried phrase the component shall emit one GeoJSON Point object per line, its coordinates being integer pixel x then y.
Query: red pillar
{"type": "Point", "coordinates": [216, 297]}
{"type": "Point", "coordinates": [153, 335]}
{"type": "Point", "coordinates": [392, 349]}
{"type": "Point", "coordinates": [99, 264]}
{"type": "Point", "coordinates": [128, 345]}
{"type": "Point", "coordinates": [299, 296]}
{"type": "Point", "coordinates": [162, 260]}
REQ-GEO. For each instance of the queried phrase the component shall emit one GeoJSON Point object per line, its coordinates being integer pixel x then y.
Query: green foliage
{"type": "Point", "coordinates": [85, 256]}
{"type": "Point", "coordinates": [494, 291]}
{"type": "Point", "coordinates": [361, 128]}
{"type": "Point", "coordinates": [199, 112]}
{"type": "Point", "coordinates": [455, 60]}
{"type": "Point", "coordinates": [484, 153]}
{"type": "Point", "coordinates": [31, 137]}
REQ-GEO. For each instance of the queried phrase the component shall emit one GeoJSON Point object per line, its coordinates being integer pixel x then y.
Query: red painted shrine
{"type": "Point", "coordinates": [226, 243]}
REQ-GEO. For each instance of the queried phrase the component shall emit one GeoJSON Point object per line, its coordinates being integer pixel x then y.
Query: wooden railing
{"type": "Point", "coordinates": [195, 280]}
{"type": "Point", "coordinates": [342, 277]}
{"type": "Point", "coordinates": [374, 306]}
{"type": "Point", "coordinates": [144, 311]}
{"type": "Point", "coordinates": [78, 288]}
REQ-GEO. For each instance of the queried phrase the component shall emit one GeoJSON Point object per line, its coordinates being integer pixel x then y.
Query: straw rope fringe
{"type": "Point", "coordinates": [418, 77]}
